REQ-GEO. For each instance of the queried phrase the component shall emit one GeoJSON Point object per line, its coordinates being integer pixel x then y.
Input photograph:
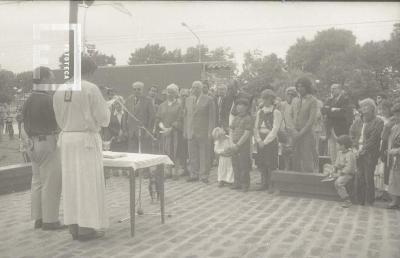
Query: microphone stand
{"type": "Point", "coordinates": [139, 210]}
{"type": "Point", "coordinates": [137, 120]}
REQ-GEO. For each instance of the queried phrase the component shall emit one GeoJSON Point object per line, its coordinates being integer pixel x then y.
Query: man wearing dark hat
{"type": "Point", "coordinates": [41, 128]}
{"type": "Point", "coordinates": [304, 115]}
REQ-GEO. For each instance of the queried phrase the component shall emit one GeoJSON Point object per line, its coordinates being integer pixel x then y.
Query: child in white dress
{"type": "Point", "coordinates": [223, 148]}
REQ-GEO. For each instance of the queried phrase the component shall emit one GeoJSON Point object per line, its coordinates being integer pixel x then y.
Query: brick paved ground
{"type": "Point", "coordinates": [208, 221]}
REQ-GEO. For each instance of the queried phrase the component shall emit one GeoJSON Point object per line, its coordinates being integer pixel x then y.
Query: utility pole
{"type": "Point", "coordinates": [197, 37]}
{"type": "Point", "coordinates": [73, 19]}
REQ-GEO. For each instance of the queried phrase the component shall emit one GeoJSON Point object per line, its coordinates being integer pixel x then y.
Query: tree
{"type": "Point", "coordinates": [308, 55]}
{"type": "Point", "coordinates": [259, 70]}
{"type": "Point", "coordinates": [297, 56]}
{"type": "Point", "coordinates": [7, 84]}
{"type": "Point", "coordinates": [154, 54]}
{"type": "Point", "coordinates": [25, 81]}
{"type": "Point", "coordinates": [100, 59]}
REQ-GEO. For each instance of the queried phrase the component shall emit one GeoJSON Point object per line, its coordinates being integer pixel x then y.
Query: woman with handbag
{"type": "Point", "coordinates": [266, 128]}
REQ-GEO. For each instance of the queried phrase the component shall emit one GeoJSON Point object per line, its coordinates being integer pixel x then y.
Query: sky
{"type": "Point", "coordinates": [271, 27]}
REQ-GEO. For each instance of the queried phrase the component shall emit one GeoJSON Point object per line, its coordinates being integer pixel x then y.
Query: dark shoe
{"type": "Point", "coordinates": [91, 236]}
{"type": "Point", "coordinates": [73, 230]}
{"type": "Point", "coordinates": [346, 204]}
{"type": "Point", "coordinates": [221, 184]}
{"type": "Point", "coordinates": [38, 224]}
{"type": "Point", "coordinates": [205, 180]}
{"type": "Point", "coordinates": [191, 179]}
{"type": "Point", "coordinates": [235, 187]}
{"type": "Point", "coordinates": [262, 188]}
{"type": "Point", "coordinates": [245, 189]}
{"type": "Point", "coordinates": [53, 226]}
{"type": "Point", "coordinates": [392, 206]}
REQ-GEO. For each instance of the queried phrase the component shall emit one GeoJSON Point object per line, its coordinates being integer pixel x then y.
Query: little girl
{"type": "Point", "coordinates": [222, 148]}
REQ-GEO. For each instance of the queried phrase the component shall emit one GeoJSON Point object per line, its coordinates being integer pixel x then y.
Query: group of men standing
{"type": "Point", "coordinates": [65, 144]}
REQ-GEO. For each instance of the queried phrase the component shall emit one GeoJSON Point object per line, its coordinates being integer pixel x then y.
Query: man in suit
{"type": "Point", "coordinates": [338, 116]}
{"type": "Point", "coordinates": [368, 152]}
{"type": "Point", "coordinates": [142, 108]}
{"type": "Point", "coordinates": [200, 121]}
{"type": "Point", "coordinates": [223, 105]}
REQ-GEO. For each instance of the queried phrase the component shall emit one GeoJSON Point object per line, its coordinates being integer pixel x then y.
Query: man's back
{"type": "Point", "coordinates": [84, 110]}
{"type": "Point", "coordinates": [38, 114]}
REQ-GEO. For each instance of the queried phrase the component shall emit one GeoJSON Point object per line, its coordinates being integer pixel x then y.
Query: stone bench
{"type": "Point", "coordinates": [15, 178]}
{"type": "Point", "coordinates": [303, 183]}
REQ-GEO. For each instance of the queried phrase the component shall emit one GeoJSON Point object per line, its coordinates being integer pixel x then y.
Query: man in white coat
{"type": "Point", "coordinates": [80, 115]}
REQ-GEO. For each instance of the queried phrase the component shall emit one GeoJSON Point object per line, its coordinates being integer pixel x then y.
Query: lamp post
{"type": "Point", "coordinates": [197, 37]}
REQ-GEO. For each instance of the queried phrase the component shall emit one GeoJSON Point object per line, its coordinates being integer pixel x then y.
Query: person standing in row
{"type": "Point", "coordinates": [305, 112]}
{"type": "Point", "coordinates": [41, 128]}
{"type": "Point", "coordinates": [368, 152]}
{"type": "Point", "coordinates": [142, 107]}
{"type": "Point", "coordinates": [338, 116]}
{"type": "Point", "coordinates": [169, 120]}
{"type": "Point", "coordinates": [80, 114]}
{"type": "Point", "coordinates": [240, 133]}
{"type": "Point", "coordinates": [267, 124]}
{"type": "Point", "coordinates": [394, 156]}
{"type": "Point", "coordinates": [200, 115]}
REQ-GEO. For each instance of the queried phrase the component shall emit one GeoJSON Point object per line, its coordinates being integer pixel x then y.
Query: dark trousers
{"type": "Point", "coordinates": [241, 164]}
{"type": "Point", "coordinates": [199, 157]}
{"type": "Point", "coordinates": [365, 186]}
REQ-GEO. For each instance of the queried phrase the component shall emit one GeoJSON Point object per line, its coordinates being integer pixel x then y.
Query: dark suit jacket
{"type": "Point", "coordinates": [200, 116]}
{"type": "Point", "coordinates": [223, 111]}
{"type": "Point", "coordinates": [372, 139]}
{"type": "Point", "coordinates": [144, 111]}
{"type": "Point", "coordinates": [340, 120]}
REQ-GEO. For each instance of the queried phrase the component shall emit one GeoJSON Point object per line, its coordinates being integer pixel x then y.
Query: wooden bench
{"type": "Point", "coordinates": [15, 178]}
{"type": "Point", "coordinates": [303, 183]}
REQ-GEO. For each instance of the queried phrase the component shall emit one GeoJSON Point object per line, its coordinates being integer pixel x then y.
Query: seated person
{"type": "Point", "coordinates": [344, 168]}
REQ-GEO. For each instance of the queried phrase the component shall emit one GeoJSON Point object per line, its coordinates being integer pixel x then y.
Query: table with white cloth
{"type": "Point", "coordinates": [133, 162]}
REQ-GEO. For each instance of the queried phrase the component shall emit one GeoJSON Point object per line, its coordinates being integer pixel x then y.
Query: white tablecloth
{"type": "Point", "coordinates": [136, 160]}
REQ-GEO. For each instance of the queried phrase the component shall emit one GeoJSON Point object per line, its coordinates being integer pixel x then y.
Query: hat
{"type": "Point", "coordinates": [345, 140]}
{"type": "Point", "coordinates": [268, 94]}
{"type": "Point", "coordinates": [396, 108]}
{"type": "Point", "coordinates": [291, 90]}
{"type": "Point", "coordinates": [243, 101]}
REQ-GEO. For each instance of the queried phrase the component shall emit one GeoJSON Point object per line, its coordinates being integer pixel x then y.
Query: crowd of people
{"type": "Point", "coordinates": [198, 128]}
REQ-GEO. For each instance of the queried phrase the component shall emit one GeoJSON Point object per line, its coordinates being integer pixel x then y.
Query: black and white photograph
{"type": "Point", "coordinates": [199, 129]}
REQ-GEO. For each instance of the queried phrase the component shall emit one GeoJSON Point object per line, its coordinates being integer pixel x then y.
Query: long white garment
{"type": "Point", "coordinates": [225, 170]}
{"type": "Point", "coordinates": [83, 185]}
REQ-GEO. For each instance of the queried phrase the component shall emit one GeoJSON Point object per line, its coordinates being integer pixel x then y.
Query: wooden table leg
{"type": "Point", "coordinates": [161, 184]}
{"type": "Point", "coordinates": [132, 199]}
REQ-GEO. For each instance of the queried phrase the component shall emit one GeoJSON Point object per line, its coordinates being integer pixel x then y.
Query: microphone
{"type": "Point", "coordinates": [117, 99]}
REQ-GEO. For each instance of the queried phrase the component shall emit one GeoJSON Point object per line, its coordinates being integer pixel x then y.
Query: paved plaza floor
{"type": "Point", "coordinates": [208, 221]}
